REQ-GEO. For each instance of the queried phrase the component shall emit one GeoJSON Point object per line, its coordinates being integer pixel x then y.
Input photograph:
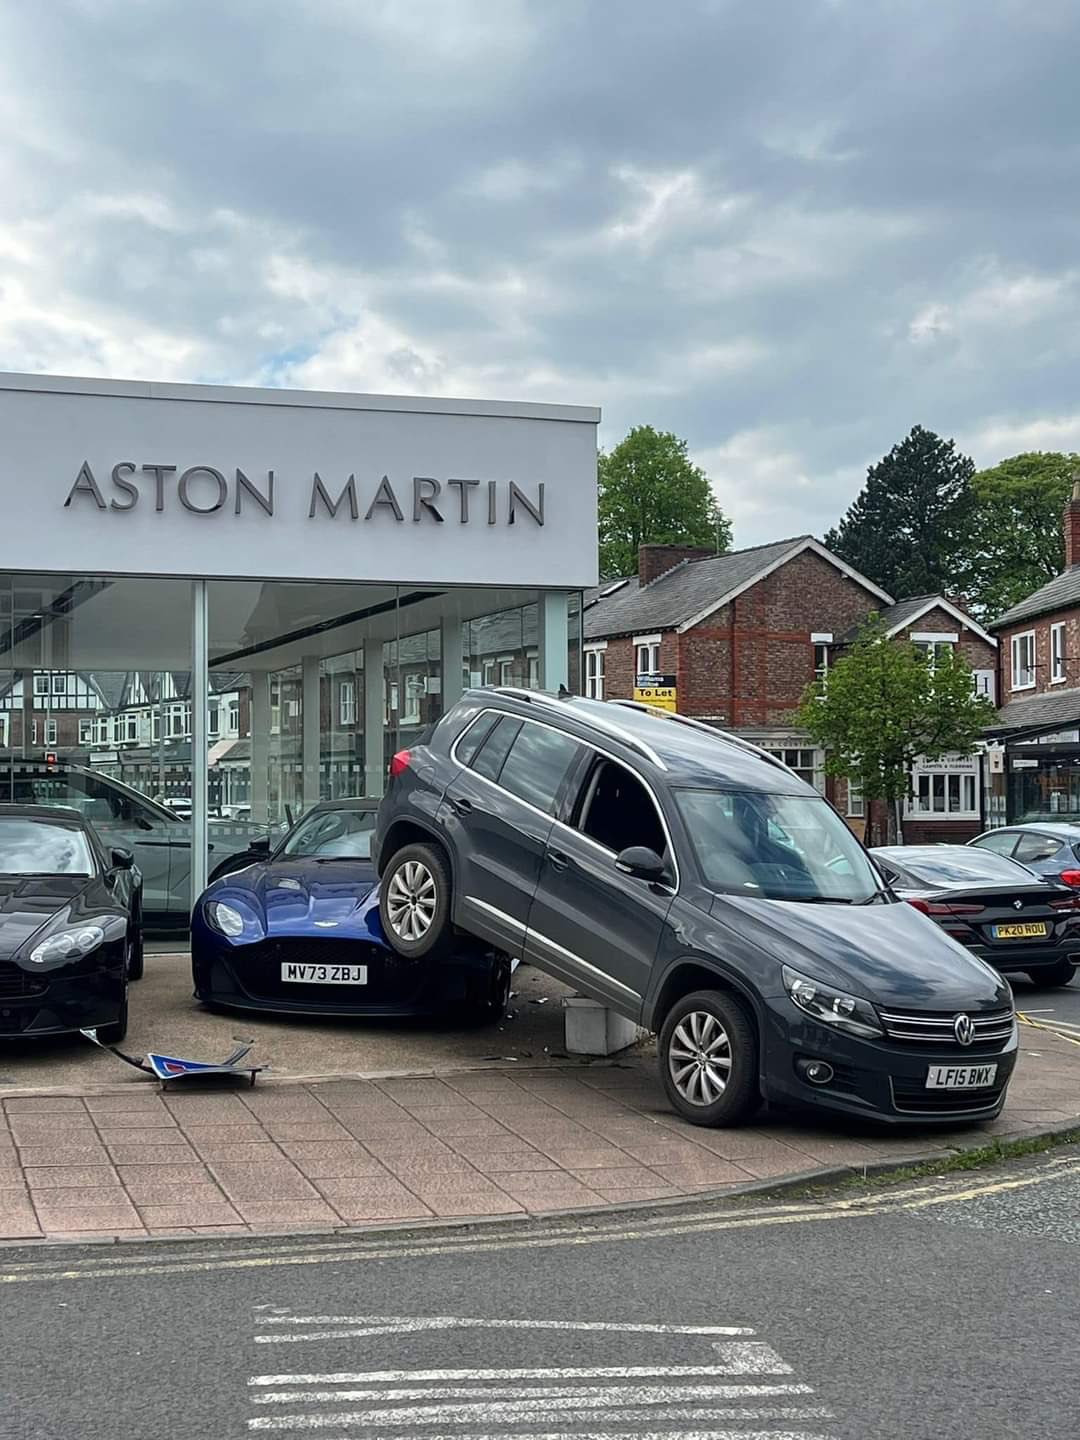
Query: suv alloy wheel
{"type": "Point", "coordinates": [414, 901]}
{"type": "Point", "coordinates": [708, 1054]}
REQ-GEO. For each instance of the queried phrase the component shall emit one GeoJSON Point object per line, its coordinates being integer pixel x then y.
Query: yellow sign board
{"type": "Point", "coordinates": [662, 696]}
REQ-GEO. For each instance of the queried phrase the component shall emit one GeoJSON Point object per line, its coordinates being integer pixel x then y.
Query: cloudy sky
{"type": "Point", "coordinates": [786, 229]}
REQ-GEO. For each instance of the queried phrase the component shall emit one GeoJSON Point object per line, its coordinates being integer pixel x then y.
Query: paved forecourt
{"type": "Point", "coordinates": [129, 1161]}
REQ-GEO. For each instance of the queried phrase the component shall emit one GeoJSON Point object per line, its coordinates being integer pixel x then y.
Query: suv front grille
{"type": "Point", "coordinates": [926, 1027]}
{"type": "Point", "coordinates": [912, 1098]}
{"type": "Point", "coordinates": [17, 984]}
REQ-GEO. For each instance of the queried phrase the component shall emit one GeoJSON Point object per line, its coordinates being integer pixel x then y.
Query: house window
{"type": "Point", "coordinates": [594, 674]}
{"type": "Point", "coordinates": [5, 730]}
{"type": "Point", "coordinates": [232, 716]}
{"type": "Point", "coordinates": [213, 719]}
{"type": "Point", "coordinates": [59, 684]}
{"type": "Point", "coordinates": [855, 807]}
{"type": "Point", "coordinates": [985, 684]}
{"type": "Point", "coordinates": [177, 721]}
{"type": "Point", "coordinates": [86, 732]}
{"type": "Point", "coordinates": [532, 660]}
{"type": "Point", "coordinates": [821, 664]}
{"type": "Point", "coordinates": [506, 671]}
{"type": "Point", "coordinates": [1023, 661]}
{"type": "Point", "coordinates": [33, 732]}
{"type": "Point", "coordinates": [41, 684]}
{"type": "Point", "coordinates": [488, 673]}
{"type": "Point", "coordinates": [1057, 653]}
{"type": "Point", "coordinates": [807, 763]}
{"type": "Point", "coordinates": [347, 702]}
{"type": "Point", "coordinates": [647, 654]}
{"type": "Point", "coordinates": [930, 649]}
{"type": "Point", "coordinates": [415, 688]}
{"type": "Point", "coordinates": [50, 732]}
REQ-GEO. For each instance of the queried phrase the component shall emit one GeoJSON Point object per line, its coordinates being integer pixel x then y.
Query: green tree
{"type": "Point", "coordinates": [885, 703]}
{"type": "Point", "coordinates": [651, 491]}
{"type": "Point", "coordinates": [906, 529]}
{"type": "Point", "coordinates": [1016, 541]}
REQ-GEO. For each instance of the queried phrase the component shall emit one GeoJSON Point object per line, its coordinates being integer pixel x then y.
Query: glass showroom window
{"type": "Point", "coordinates": [594, 674]}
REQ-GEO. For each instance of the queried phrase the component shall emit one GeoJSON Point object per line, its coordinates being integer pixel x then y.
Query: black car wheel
{"type": "Point", "coordinates": [414, 902]}
{"type": "Point", "coordinates": [1059, 974]}
{"type": "Point", "coordinates": [488, 995]}
{"type": "Point", "coordinates": [709, 1059]}
{"type": "Point", "coordinates": [136, 958]}
{"type": "Point", "coordinates": [113, 1034]}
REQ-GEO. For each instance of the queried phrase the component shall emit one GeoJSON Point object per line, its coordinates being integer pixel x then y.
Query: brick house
{"type": "Point", "coordinates": [1038, 724]}
{"type": "Point", "coordinates": [743, 634]}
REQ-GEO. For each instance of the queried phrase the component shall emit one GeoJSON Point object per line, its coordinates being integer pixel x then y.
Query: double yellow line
{"type": "Point", "coordinates": [1059, 1028]}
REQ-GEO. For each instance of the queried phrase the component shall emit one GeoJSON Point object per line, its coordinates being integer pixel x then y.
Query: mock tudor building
{"type": "Point", "coordinates": [741, 635]}
{"type": "Point", "coordinates": [1038, 725]}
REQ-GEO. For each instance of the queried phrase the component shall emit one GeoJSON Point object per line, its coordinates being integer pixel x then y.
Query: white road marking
{"type": "Point", "coordinates": [509, 1413]}
{"type": "Point", "coordinates": [592, 1372]}
{"type": "Point", "coordinates": [392, 1324]}
{"type": "Point", "coordinates": [591, 1395]}
{"type": "Point", "coordinates": [739, 1434]}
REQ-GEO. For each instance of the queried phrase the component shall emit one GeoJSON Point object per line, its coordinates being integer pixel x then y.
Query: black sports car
{"type": "Point", "coordinates": [298, 931]}
{"type": "Point", "coordinates": [70, 926]}
{"type": "Point", "coordinates": [995, 907]}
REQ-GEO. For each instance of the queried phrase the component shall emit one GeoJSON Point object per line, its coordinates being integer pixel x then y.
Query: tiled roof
{"type": "Point", "coordinates": [681, 593]}
{"type": "Point", "coordinates": [894, 617]}
{"type": "Point", "coordinates": [1058, 710]}
{"type": "Point", "coordinates": [1056, 594]}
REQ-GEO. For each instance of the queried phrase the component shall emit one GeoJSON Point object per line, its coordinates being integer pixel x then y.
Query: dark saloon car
{"type": "Point", "coordinates": [1051, 848]}
{"type": "Point", "coordinates": [298, 932]}
{"type": "Point", "coordinates": [1017, 921]}
{"type": "Point", "coordinates": [696, 885]}
{"type": "Point", "coordinates": [70, 926]}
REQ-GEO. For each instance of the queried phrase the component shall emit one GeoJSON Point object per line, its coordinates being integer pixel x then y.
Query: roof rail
{"type": "Point", "coordinates": [723, 735]}
{"type": "Point", "coordinates": [543, 697]}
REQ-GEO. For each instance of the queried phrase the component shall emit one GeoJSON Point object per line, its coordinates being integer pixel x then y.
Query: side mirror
{"type": "Point", "coordinates": [643, 864]}
{"type": "Point", "coordinates": [260, 845]}
{"type": "Point", "coordinates": [122, 858]}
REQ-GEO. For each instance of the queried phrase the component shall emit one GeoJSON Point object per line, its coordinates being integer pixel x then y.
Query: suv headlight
{"type": "Point", "coordinates": [64, 946]}
{"type": "Point", "coordinates": [224, 918]}
{"type": "Point", "coordinates": [834, 1007]}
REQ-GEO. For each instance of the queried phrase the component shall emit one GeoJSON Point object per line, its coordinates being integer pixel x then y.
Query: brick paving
{"type": "Point", "coordinates": [135, 1162]}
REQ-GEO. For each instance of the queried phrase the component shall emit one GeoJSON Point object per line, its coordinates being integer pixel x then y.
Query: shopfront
{"type": "Point", "coordinates": [240, 602]}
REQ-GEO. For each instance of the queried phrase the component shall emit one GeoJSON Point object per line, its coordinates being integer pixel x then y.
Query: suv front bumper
{"type": "Point", "coordinates": [883, 1080]}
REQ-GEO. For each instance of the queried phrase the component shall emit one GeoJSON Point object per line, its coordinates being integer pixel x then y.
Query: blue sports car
{"type": "Point", "coordinates": [297, 931]}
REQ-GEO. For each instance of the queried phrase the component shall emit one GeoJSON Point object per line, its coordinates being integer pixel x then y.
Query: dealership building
{"type": "Point", "coordinates": [246, 600]}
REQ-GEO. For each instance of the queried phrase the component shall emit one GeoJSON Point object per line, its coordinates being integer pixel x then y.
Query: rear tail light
{"type": "Point", "coordinates": [399, 763]}
{"type": "Point", "coordinates": [1071, 903]}
{"type": "Point", "coordinates": [934, 907]}
{"type": "Point", "coordinates": [1071, 877]}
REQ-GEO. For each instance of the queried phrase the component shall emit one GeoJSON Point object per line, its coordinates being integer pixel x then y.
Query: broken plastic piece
{"type": "Point", "coordinates": [168, 1068]}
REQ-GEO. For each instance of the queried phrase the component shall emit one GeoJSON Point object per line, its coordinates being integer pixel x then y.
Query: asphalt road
{"type": "Point", "coordinates": [942, 1311]}
{"type": "Point", "coordinates": [1053, 1006]}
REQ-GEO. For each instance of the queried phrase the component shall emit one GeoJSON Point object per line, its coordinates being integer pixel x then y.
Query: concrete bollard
{"type": "Point", "coordinates": [593, 1029]}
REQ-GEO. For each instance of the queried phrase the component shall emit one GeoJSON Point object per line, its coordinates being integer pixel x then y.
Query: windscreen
{"type": "Point", "coordinates": [332, 835]}
{"type": "Point", "coordinates": [35, 847]}
{"type": "Point", "coordinates": [779, 847]}
{"type": "Point", "coordinates": [959, 865]}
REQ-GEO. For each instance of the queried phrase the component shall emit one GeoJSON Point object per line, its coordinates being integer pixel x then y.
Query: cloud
{"type": "Point", "coordinates": [772, 229]}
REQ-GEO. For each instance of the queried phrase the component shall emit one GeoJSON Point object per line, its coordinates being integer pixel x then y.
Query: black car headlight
{"type": "Point", "coordinates": [64, 946]}
{"type": "Point", "coordinates": [834, 1007]}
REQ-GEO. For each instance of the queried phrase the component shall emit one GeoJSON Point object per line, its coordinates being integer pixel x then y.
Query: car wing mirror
{"type": "Point", "coordinates": [122, 858]}
{"type": "Point", "coordinates": [260, 845]}
{"type": "Point", "coordinates": [643, 864]}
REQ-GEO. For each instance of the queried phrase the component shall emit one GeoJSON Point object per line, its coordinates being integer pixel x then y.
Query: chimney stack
{"type": "Point", "coordinates": [1072, 527]}
{"type": "Point", "coordinates": [656, 560]}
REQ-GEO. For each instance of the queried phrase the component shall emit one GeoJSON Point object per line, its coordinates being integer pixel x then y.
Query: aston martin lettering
{"type": "Point", "coordinates": [210, 490]}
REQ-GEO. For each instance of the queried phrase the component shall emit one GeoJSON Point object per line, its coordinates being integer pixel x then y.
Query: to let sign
{"type": "Point", "coordinates": [657, 690]}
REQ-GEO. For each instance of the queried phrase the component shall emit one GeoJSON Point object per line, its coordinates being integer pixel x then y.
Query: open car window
{"type": "Point", "coordinates": [777, 847]}
{"type": "Point", "coordinates": [617, 811]}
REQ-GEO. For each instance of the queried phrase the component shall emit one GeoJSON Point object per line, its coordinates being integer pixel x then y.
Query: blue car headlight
{"type": "Point", "coordinates": [225, 918]}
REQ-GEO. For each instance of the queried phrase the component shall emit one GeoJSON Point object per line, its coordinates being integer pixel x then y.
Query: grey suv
{"type": "Point", "coordinates": [696, 885]}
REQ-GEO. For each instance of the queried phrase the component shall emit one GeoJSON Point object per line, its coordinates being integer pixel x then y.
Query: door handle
{"type": "Point", "coordinates": [461, 806]}
{"type": "Point", "coordinates": [558, 860]}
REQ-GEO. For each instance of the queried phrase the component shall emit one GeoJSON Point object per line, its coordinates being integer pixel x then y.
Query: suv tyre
{"type": "Point", "coordinates": [708, 1051]}
{"type": "Point", "coordinates": [414, 902]}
